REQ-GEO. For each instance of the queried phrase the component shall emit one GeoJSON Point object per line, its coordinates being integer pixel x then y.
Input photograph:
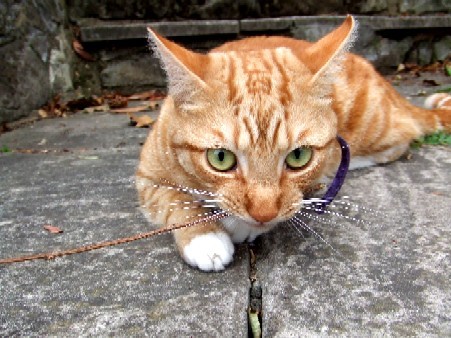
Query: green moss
{"type": "Point", "coordinates": [438, 138]}
{"type": "Point", "coordinates": [448, 69]}
{"type": "Point", "coordinates": [4, 149]}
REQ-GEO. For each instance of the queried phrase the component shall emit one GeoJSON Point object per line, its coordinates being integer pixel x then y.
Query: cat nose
{"type": "Point", "coordinates": [263, 213]}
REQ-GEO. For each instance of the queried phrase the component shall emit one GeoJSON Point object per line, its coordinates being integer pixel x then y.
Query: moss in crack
{"type": "Point", "coordinates": [255, 298]}
{"type": "Point", "coordinates": [438, 138]}
{"type": "Point", "coordinates": [4, 149]}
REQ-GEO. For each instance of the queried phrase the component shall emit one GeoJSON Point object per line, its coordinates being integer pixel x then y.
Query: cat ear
{"type": "Point", "coordinates": [184, 68]}
{"type": "Point", "coordinates": [327, 52]}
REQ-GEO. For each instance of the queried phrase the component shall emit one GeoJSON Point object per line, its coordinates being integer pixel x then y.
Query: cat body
{"type": "Point", "coordinates": [251, 127]}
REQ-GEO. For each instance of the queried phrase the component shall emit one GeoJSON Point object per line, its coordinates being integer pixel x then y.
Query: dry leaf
{"type": "Point", "coordinates": [148, 95]}
{"type": "Point", "coordinates": [52, 229]}
{"type": "Point", "coordinates": [42, 113]}
{"type": "Point", "coordinates": [154, 105]}
{"type": "Point", "coordinates": [130, 110]}
{"type": "Point", "coordinates": [93, 109]}
{"type": "Point", "coordinates": [80, 51]}
{"type": "Point", "coordinates": [117, 101]}
{"type": "Point", "coordinates": [401, 67]}
{"type": "Point", "coordinates": [432, 83]}
{"type": "Point", "coordinates": [143, 121]}
{"type": "Point", "coordinates": [84, 102]}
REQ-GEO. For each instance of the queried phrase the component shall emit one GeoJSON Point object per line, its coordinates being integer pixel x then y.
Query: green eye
{"type": "Point", "coordinates": [221, 159]}
{"type": "Point", "coordinates": [298, 158]}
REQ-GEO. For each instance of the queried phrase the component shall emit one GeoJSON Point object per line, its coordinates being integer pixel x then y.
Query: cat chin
{"type": "Point", "coordinates": [241, 231]}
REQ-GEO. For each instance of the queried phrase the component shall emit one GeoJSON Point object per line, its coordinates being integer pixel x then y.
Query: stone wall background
{"type": "Point", "coordinates": [38, 61]}
{"type": "Point", "coordinates": [232, 9]}
{"type": "Point", "coordinates": [35, 55]}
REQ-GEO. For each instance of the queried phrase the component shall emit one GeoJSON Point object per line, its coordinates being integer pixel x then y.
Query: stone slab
{"type": "Point", "coordinates": [389, 270]}
{"type": "Point", "coordinates": [93, 30]}
{"type": "Point", "coordinates": [387, 274]}
{"type": "Point", "coordinates": [386, 270]}
{"type": "Point", "coordinates": [103, 30]}
{"type": "Point", "coordinates": [84, 184]}
{"type": "Point", "coordinates": [376, 22]}
{"type": "Point", "coordinates": [136, 71]}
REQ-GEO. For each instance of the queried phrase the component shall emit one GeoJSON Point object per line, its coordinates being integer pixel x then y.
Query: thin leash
{"type": "Point", "coordinates": [328, 197]}
{"type": "Point", "coordinates": [100, 245]}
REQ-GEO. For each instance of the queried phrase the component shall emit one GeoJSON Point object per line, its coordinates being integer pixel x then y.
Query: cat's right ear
{"type": "Point", "coordinates": [327, 53]}
{"type": "Point", "coordinates": [184, 68]}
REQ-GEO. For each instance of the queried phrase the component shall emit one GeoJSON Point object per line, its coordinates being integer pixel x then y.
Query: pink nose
{"type": "Point", "coordinates": [263, 213]}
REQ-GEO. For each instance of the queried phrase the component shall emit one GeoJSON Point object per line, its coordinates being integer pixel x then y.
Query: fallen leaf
{"type": "Point", "coordinates": [143, 121]}
{"type": "Point", "coordinates": [54, 108]}
{"type": "Point", "coordinates": [89, 157]}
{"type": "Point", "coordinates": [117, 101]}
{"type": "Point", "coordinates": [433, 67]}
{"type": "Point", "coordinates": [438, 193]}
{"type": "Point", "coordinates": [80, 51]}
{"type": "Point", "coordinates": [401, 67]}
{"type": "Point", "coordinates": [84, 102]}
{"type": "Point", "coordinates": [42, 113]}
{"type": "Point", "coordinates": [431, 83]}
{"type": "Point", "coordinates": [148, 95]}
{"type": "Point", "coordinates": [154, 105]}
{"type": "Point", "coordinates": [130, 110]}
{"type": "Point", "coordinates": [52, 229]}
{"type": "Point", "coordinates": [422, 92]}
{"type": "Point", "coordinates": [93, 109]}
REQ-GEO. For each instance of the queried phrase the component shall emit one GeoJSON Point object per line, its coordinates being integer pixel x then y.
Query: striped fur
{"type": "Point", "coordinates": [261, 98]}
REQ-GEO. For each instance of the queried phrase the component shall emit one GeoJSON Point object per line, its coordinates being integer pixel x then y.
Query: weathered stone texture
{"type": "Point", "coordinates": [38, 60]}
{"type": "Point", "coordinates": [32, 45]}
{"type": "Point", "coordinates": [156, 10]}
{"type": "Point", "coordinates": [229, 9]}
{"type": "Point", "coordinates": [424, 6]}
{"type": "Point", "coordinates": [137, 71]}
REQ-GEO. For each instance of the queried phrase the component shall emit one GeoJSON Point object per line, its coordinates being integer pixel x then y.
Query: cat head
{"type": "Point", "coordinates": [252, 120]}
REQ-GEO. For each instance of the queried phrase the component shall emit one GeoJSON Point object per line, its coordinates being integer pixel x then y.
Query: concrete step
{"type": "Point", "coordinates": [94, 30]}
{"type": "Point", "coordinates": [387, 274]}
{"type": "Point", "coordinates": [122, 50]}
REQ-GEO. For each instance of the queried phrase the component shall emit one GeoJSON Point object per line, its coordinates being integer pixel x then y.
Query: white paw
{"type": "Point", "coordinates": [209, 252]}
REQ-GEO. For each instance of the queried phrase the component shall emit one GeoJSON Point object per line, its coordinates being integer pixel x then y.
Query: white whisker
{"type": "Point", "coordinates": [171, 186]}
{"type": "Point", "coordinates": [304, 225]}
{"type": "Point", "coordinates": [309, 201]}
{"type": "Point", "coordinates": [293, 226]}
{"type": "Point", "coordinates": [358, 207]}
{"type": "Point", "coordinates": [316, 218]}
{"type": "Point", "coordinates": [338, 214]}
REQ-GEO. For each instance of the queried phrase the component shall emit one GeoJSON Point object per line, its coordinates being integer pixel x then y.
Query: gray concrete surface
{"type": "Point", "coordinates": [84, 185]}
{"type": "Point", "coordinates": [387, 274]}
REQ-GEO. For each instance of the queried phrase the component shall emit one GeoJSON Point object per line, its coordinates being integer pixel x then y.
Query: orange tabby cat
{"type": "Point", "coordinates": [252, 126]}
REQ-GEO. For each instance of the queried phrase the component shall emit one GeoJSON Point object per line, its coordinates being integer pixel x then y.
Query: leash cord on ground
{"type": "Point", "coordinates": [95, 246]}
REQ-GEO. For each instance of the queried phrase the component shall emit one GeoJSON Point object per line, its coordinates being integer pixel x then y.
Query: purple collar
{"type": "Point", "coordinates": [339, 178]}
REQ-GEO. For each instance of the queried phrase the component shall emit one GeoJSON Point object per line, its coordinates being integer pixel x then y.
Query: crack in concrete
{"type": "Point", "coordinates": [255, 297]}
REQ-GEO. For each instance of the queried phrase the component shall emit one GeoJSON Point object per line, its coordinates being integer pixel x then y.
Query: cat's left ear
{"type": "Point", "coordinates": [184, 68]}
{"type": "Point", "coordinates": [328, 51]}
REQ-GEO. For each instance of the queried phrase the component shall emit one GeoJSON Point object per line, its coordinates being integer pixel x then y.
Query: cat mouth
{"type": "Point", "coordinates": [252, 223]}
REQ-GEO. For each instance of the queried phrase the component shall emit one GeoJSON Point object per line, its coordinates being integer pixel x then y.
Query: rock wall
{"type": "Point", "coordinates": [38, 60]}
{"type": "Point", "coordinates": [35, 55]}
{"type": "Point", "coordinates": [126, 64]}
{"type": "Point", "coordinates": [231, 9]}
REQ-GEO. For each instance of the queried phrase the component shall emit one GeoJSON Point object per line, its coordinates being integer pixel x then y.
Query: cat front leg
{"type": "Point", "coordinates": [208, 251]}
{"type": "Point", "coordinates": [206, 246]}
